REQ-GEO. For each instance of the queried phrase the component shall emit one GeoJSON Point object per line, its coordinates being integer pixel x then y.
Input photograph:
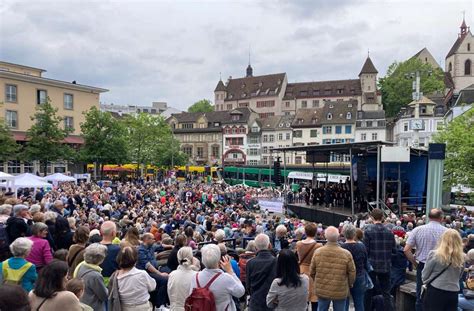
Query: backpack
{"type": "Point", "coordinates": [14, 276]}
{"type": "Point", "coordinates": [243, 259]}
{"type": "Point", "coordinates": [4, 247]}
{"type": "Point", "coordinates": [201, 298]}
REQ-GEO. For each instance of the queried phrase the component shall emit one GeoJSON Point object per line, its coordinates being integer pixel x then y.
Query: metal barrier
{"type": "Point", "coordinates": [234, 243]}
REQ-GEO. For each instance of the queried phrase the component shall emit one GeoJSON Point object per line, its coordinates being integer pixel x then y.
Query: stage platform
{"type": "Point", "coordinates": [327, 216]}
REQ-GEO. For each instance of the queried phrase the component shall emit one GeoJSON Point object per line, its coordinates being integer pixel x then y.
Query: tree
{"type": "Point", "coordinates": [397, 88]}
{"type": "Point", "coordinates": [204, 105]}
{"type": "Point", "coordinates": [9, 147]}
{"type": "Point", "coordinates": [170, 155]}
{"type": "Point", "coordinates": [105, 139]}
{"type": "Point", "coordinates": [458, 136]}
{"type": "Point", "coordinates": [148, 138]}
{"type": "Point", "coordinates": [46, 137]}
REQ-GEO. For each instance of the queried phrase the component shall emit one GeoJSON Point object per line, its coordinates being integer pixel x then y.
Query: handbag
{"type": "Point", "coordinates": [424, 287]}
{"type": "Point", "coordinates": [369, 284]}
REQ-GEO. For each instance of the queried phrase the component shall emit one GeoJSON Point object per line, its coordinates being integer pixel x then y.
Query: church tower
{"type": "Point", "coordinates": [220, 92]}
{"type": "Point", "coordinates": [460, 58]}
{"type": "Point", "coordinates": [368, 85]}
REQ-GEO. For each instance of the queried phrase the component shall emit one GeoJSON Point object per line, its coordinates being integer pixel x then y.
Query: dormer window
{"type": "Point", "coordinates": [349, 105]}
{"type": "Point", "coordinates": [300, 121]}
{"type": "Point", "coordinates": [243, 95]}
{"type": "Point", "coordinates": [349, 116]}
{"type": "Point", "coordinates": [260, 84]}
{"type": "Point", "coordinates": [329, 116]}
{"type": "Point", "coordinates": [314, 120]}
{"type": "Point", "coordinates": [243, 86]}
{"type": "Point", "coordinates": [235, 117]}
{"type": "Point", "coordinates": [331, 106]}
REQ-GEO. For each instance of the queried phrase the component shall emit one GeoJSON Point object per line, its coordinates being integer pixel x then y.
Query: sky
{"type": "Point", "coordinates": [176, 51]}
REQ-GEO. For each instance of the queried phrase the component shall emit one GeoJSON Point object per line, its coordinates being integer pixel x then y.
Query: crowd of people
{"type": "Point", "coordinates": [182, 246]}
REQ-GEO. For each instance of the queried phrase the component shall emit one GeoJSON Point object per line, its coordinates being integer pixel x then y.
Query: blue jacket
{"type": "Point", "coordinates": [29, 277]}
{"type": "Point", "coordinates": [147, 255]}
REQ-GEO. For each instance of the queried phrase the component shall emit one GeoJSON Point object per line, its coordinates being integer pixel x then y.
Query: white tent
{"type": "Point", "coordinates": [30, 181]}
{"type": "Point", "coordinates": [5, 176]}
{"type": "Point", "coordinates": [58, 177]}
{"type": "Point", "coordinates": [31, 176]}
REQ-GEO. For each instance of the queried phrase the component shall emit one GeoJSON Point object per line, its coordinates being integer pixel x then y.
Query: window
{"type": "Point", "coordinates": [329, 116]}
{"type": "Point", "coordinates": [326, 141]}
{"type": "Point", "coordinates": [297, 134]}
{"type": "Point", "coordinates": [467, 68]}
{"type": "Point", "coordinates": [271, 138]}
{"type": "Point", "coordinates": [280, 136]}
{"type": "Point", "coordinates": [41, 97]}
{"type": "Point", "coordinates": [287, 104]}
{"type": "Point", "coordinates": [348, 129]}
{"type": "Point", "coordinates": [327, 129]}
{"type": "Point", "coordinates": [69, 123]}
{"type": "Point", "coordinates": [10, 93]}
{"type": "Point", "coordinates": [11, 118]}
{"type": "Point", "coordinates": [265, 138]}
{"type": "Point", "coordinates": [241, 105]}
{"type": "Point", "coordinates": [265, 103]}
{"type": "Point", "coordinates": [255, 129]}
{"type": "Point", "coordinates": [405, 127]}
{"type": "Point", "coordinates": [349, 116]}
{"type": "Point", "coordinates": [253, 152]}
{"type": "Point", "coordinates": [450, 67]}
{"type": "Point", "coordinates": [288, 136]}
{"type": "Point", "coordinates": [381, 123]}
{"type": "Point", "coordinates": [188, 125]}
{"type": "Point", "coordinates": [338, 129]}
{"type": "Point", "coordinates": [313, 133]}
{"type": "Point", "coordinates": [235, 117]}
{"type": "Point", "coordinates": [200, 152]}
{"type": "Point", "coordinates": [264, 115]}
{"type": "Point", "coordinates": [315, 103]}
{"type": "Point", "coordinates": [188, 150]}
{"type": "Point", "coordinates": [14, 167]}
{"type": "Point", "coordinates": [229, 106]}
{"type": "Point", "coordinates": [304, 104]}
{"type": "Point", "coordinates": [153, 111]}
{"type": "Point", "coordinates": [374, 136]}
{"type": "Point", "coordinates": [252, 162]}
{"type": "Point", "coordinates": [265, 160]}
{"type": "Point", "coordinates": [234, 141]}
{"type": "Point", "coordinates": [254, 140]}
{"type": "Point", "coordinates": [439, 125]}
{"type": "Point", "coordinates": [468, 47]}
{"type": "Point", "coordinates": [363, 137]}
{"type": "Point", "coordinates": [28, 167]}
{"type": "Point", "coordinates": [215, 151]}
{"type": "Point", "coordinates": [370, 123]}
{"type": "Point", "coordinates": [265, 149]}
{"type": "Point", "coordinates": [298, 160]}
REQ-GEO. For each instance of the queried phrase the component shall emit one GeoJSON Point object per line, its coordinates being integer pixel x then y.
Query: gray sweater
{"type": "Point", "coordinates": [283, 298]}
{"type": "Point", "coordinates": [448, 281]}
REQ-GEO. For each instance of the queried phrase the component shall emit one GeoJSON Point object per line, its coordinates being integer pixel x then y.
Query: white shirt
{"type": "Point", "coordinates": [179, 285]}
{"type": "Point", "coordinates": [223, 288]}
{"type": "Point", "coordinates": [134, 287]}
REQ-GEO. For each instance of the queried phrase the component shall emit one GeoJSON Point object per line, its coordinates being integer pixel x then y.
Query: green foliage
{"type": "Point", "coordinates": [105, 138]}
{"type": "Point", "coordinates": [171, 155]}
{"type": "Point", "coordinates": [9, 147]}
{"type": "Point", "coordinates": [458, 136]}
{"type": "Point", "coordinates": [204, 105]}
{"type": "Point", "coordinates": [397, 89]}
{"type": "Point", "coordinates": [149, 138]}
{"type": "Point", "coordinates": [46, 137]}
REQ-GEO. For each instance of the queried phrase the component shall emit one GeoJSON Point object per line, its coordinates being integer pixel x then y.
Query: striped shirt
{"type": "Point", "coordinates": [425, 238]}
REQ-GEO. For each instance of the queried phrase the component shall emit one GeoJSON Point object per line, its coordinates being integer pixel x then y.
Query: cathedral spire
{"type": "Point", "coordinates": [249, 67]}
{"type": "Point", "coordinates": [464, 28]}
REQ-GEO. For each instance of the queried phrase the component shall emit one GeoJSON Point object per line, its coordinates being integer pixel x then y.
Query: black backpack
{"type": "Point", "coordinates": [4, 245]}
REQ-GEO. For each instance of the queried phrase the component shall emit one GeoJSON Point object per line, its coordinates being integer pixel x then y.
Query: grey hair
{"type": "Point", "coordinates": [331, 234]}
{"type": "Point", "coordinates": [211, 255]}
{"type": "Point", "coordinates": [35, 208]}
{"type": "Point", "coordinates": [49, 215]}
{"type": "Point", "coordinates": [95, 253]}
{"type": "Point", "coordinates": [262, 241]}
{"type": "Point", "coordinates": [349, 231]}
{"type": "Point", "coordinates": [38, 227]}
{"type": "Point", "coordinates": [185, 256]}
{"type": "Point", "coordinates": [6, 209]}
{"type": "Point", "coordinates": [251, 247]}
{"type": "Point", "coordinates": [219, 235]}
{"type": "Point", "coordinates": [21, 247]}
{"type": "Point", "coordinates": [281, 229]}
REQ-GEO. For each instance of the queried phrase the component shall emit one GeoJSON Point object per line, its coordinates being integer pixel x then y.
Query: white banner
{"type": "Point", "coordinates": [275, 206]}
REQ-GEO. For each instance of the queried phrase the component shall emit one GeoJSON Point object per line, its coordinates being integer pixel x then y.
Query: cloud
{"type": "Point", "coordinates": [175, 50]}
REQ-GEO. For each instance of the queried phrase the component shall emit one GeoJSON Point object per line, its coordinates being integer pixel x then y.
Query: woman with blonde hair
{"type": "Point", "coordinates": [442, 272]}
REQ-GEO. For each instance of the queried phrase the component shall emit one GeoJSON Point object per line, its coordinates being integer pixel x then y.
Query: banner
{"type": "Point", "coordinates": [272, 205]}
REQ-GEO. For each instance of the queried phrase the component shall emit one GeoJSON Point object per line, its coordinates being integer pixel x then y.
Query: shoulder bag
{"type": "Point", "coordinates": [424, 287]}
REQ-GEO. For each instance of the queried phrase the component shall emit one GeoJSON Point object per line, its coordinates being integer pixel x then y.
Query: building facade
{"type": "Point", "coordinates": [371, 126]}
{"type": "Point", "coordinates": [23, 89]}
{"type": "Point", "coordinates": [156, 108]}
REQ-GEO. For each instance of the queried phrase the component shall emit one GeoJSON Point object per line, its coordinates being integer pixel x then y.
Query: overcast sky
{"type": "Point", "coordinates": [174, 51]}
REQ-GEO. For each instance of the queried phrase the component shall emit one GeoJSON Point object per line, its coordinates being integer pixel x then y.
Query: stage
{"type": "Point", "coordinates": [327, 216]}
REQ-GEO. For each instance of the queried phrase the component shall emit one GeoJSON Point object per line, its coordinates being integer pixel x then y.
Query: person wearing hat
{"type": "Point", "coordinates": [19, 224]}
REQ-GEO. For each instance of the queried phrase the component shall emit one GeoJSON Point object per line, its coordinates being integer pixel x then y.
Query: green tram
{"type": "Point", "coordinates": [255, 176]}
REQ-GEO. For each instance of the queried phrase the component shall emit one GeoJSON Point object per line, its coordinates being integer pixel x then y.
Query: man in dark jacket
{"type": "Point", "coordinates": [19, 224]}
{"type": "Point", "coordinates": [260, 271]}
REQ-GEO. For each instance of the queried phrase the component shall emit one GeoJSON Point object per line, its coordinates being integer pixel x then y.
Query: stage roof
{"type": "Point", "coordinates": [359, 147]}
